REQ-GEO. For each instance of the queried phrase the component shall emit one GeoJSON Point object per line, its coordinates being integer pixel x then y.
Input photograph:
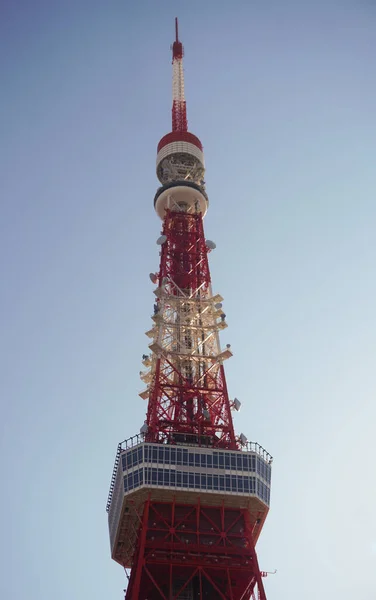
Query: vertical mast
{"type": "Point", "coordinates": [179, 107]}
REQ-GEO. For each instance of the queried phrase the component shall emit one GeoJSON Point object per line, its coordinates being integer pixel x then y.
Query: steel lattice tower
{"type": "Point", "coordinates": [188, 498]}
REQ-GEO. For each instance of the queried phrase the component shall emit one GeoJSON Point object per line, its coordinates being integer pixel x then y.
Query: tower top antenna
{"type": "Point", "coordinates": [177, 46]}
{"type": "Point", "coordinates": [179, 146]}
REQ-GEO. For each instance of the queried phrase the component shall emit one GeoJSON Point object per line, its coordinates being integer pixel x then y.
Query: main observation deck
{"type": "Point", "coordinates": [238, 479]}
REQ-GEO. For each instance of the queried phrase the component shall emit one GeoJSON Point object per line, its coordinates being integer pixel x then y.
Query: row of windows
{"type": "Point", "coordinates": [263, 491]}
{"type": "Point", "coordinates": [263, 469]}
{"type": "Point", "coordinates": [168, 477]}
{"type": "Point", "coordinates": [229, 483]}
{"type": "Point", "coordinates": [132, 458]}
{"type": "Point", "coordinates": [133, 480]}
{"type": "Point", "coordinates": [182, 456]}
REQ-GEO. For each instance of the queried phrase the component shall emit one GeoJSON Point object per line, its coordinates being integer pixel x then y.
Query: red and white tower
{"type": "Point", "coordinates": [188, 498]}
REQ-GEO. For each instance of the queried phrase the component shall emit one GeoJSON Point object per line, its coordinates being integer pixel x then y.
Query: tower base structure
{"type": "Point", "coordinates": [190, 551]}
{"type": "Point", "coordinates": [186, 520]}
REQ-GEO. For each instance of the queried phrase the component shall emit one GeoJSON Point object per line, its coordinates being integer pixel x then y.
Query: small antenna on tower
{"type": "Point", "coordinates": [177, 29]}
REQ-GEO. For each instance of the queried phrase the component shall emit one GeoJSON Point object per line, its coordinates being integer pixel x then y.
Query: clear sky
{"type": "Point", "coordinates": [282, 95]}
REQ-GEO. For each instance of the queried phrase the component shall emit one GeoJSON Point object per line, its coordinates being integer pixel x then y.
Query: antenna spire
{"type": "Point", "coordinates": [179, 108]}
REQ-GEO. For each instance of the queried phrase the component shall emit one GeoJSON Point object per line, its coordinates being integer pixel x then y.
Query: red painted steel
{"type": "Point", "coordinates": [189, 405]}
{"type": "Point", "coordinates": [179, 116]}
{"type": "Point", "coordinates": [206, 551]}
{"type": "Point", "coordinates": [177, 47]}
{"type": "Point", "coordinates": [179, 136]}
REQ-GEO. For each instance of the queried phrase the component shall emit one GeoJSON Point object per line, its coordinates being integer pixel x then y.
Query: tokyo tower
{"type": "Point", "coordinates": [188, 497]}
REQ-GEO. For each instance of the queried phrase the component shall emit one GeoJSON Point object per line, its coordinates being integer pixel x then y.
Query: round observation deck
{"type": "Point", "coordinates": [181, 195]}
{"type": "Point", "coordinates": [180, 157]}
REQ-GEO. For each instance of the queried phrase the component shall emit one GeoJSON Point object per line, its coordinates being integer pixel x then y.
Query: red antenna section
{"type": "Point", "coordinates": [179, 107]}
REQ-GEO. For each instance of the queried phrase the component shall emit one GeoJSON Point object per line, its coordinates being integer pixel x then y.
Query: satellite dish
{"type": "Point", "coordinates": [218, 305]}
{"type": "Point", "coordinates": [161, 240]}
{"type": "Point", "coordinates": [243, 439]}
{"type": "Point", "coordinates": [211, 245]}
{"type": "Point", "coordinates": [153, 277]}
{"type": "Point", "coordinates": [237, 404]}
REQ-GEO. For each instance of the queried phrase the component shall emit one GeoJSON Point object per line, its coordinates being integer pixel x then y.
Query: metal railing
{"type": "Point", "coordinates": [113, 477]}
{"type": "Point", "coordinates": [139, 438]}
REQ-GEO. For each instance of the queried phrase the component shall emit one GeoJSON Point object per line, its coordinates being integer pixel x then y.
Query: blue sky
{"type": "Point", "coordinates": [283, 96]}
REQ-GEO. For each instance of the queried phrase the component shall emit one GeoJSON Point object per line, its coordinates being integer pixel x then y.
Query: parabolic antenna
{"type": "Point", "coordinates": [210, 244]}
{"type": "Point", "coordinates": [218, 305]}
{"type": "Point", "coordinates": [153, 277]}
{"type": "Point", "coordinates": [161, 240]}
{"type": "Point", "coordinates": [243, 439]}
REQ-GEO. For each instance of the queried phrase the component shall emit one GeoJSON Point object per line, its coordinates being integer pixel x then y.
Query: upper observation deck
{"type": "Point", "coordinates": [238, 479]}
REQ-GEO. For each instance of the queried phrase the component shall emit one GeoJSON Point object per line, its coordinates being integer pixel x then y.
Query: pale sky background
{"type": "Point", "coordinates": [283, 96]}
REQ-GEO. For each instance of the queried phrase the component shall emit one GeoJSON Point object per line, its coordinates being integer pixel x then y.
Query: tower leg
{"type": "Point", "coordinates": [136, 573]}
{"type": "Point", "coordinates": [260, 585]}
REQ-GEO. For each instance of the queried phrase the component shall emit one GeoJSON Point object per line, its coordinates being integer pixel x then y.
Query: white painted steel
{"type": "Point", "coordinates": [180, 147]}
{"type": "Point", "coordinates": [186, 334]}
{"type": "Point", "coordinates": [178, 80]}
{"type": "Point", "coordinates": [175, 197]}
